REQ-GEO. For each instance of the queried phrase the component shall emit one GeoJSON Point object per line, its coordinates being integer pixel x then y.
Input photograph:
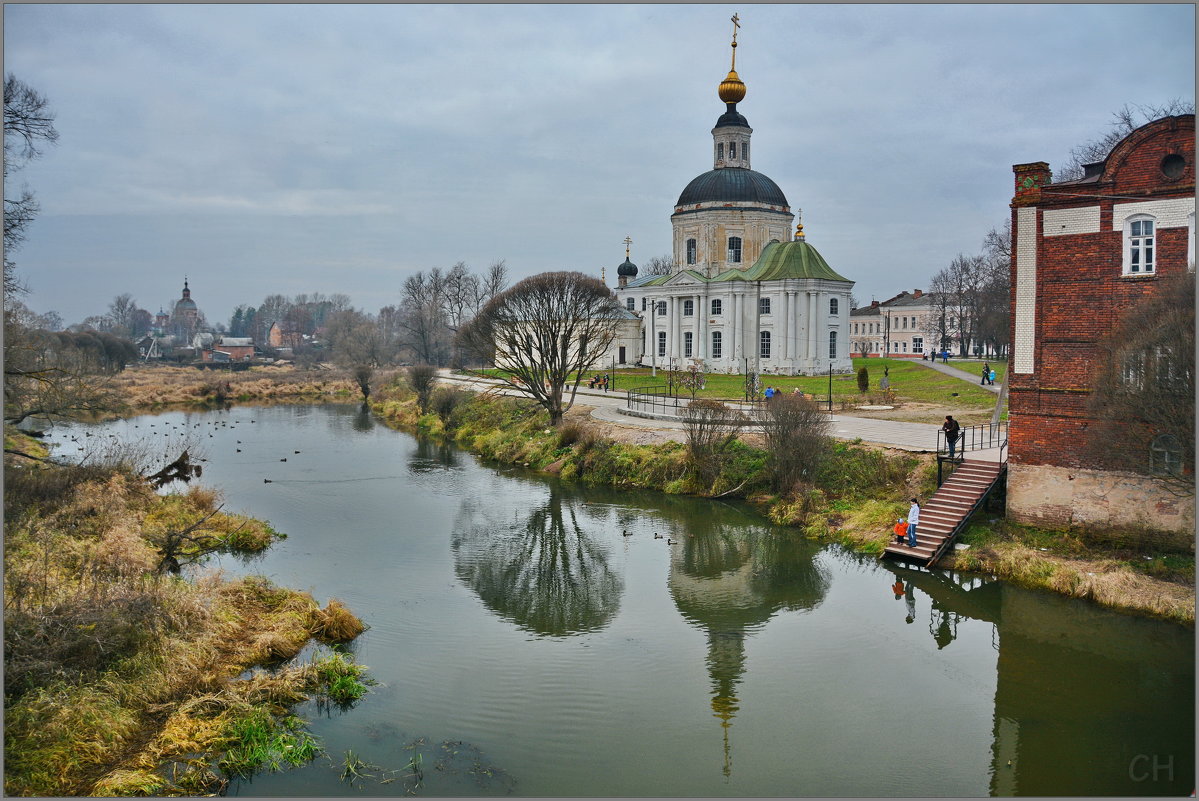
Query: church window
{"type": "Point", "coordinates": [732, 150]}
{"type": "Point", "coordinates": [745, 151]}
{"type": "Point", "coordinates": [716, 307]}
{"type": "Point", "coordinates": [661, 308]}
{"type": "Point", "coordinates": [661, 343]}
{"type": "Point", "coordinates": [832, 344]}
{"type": "Point", "coordinates": [629, 304]}
{"type": "Point", "coordinates": [688, 338]}
{"type": "Point", "coordinates": [734, 249]}
{"type": "Point", "coordinates": [720, 151]}
{"type": "Point", "coordinates": [691, 251]}
{"type": "Point", "coordinates": [833, 305]}
{"type": "Point", "coordinates": [763, 305]}
{"type": "Point", "coordinates": [716, 344]}
{"type": "Point", "coordinates": [764, 345]}
{"type": "Point", "coordinates": [688, 308]}
{"type": "Point", "coordinates": [1138, 245]}
{"type": "Point", "coordinates": [643, 304]}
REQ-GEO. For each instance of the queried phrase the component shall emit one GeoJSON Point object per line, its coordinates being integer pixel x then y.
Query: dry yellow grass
{"type": "Point", "coordinates": [151, 387]}
{"type": "Point", "coordinates": [1105, 581]}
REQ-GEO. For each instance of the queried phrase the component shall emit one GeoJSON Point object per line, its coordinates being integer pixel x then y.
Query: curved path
{"type": "Point", "coordinates": [609, 407]}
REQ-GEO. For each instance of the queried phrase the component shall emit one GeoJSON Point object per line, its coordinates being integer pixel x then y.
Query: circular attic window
{"type": "Point", "coordinates": [1173, 166]}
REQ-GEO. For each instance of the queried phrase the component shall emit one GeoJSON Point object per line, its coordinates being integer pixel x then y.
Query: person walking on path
{"type": "Point", "coordinates": [913, 519]}
{"type": "Point", "coordinates": [944, 356]}
{"type": "Point", "coordinates": [986, 373]}
{"type": "Point", "coordinates": [951, 429]}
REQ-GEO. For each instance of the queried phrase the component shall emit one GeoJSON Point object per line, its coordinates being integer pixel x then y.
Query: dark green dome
{"type": "Point", "coordinates": [627, 269]}
{"type": "Point", "coordinates": [732, 185]}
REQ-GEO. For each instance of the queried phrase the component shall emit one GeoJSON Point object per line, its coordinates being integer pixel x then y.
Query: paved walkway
{"type": "Point", "coordinates": [609, 407]}
{"type": "Point", "coordinates": [973, 378]}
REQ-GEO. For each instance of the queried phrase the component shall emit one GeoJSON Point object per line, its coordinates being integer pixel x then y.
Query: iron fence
{"type": "Point", "coordinates": [659, 400]}
{"type": "Point", "coordinates": [974, 438]}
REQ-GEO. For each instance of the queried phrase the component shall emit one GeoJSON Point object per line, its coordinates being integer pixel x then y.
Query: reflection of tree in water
{"type": "Point", "coordinates": [363, 421]}
{"type": "Point", "coordinates": [430, 456]}
{"type": "Point", "coordinates": [730, 579]}
{"type": "Point", "coordinates": [547, 576]}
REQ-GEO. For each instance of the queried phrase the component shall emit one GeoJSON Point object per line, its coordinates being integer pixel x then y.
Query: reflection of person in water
{"type": "Point", "coordinates": [897, 588]}
{"type": "Point", "coordinates": [909, 597]}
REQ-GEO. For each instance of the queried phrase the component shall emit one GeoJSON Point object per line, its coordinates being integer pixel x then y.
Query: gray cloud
{"type": "Point", "coordinates": [279, 148]}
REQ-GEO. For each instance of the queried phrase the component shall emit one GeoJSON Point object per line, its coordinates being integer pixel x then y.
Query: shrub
{"type": "Point", "coordinates": [446, 401]}
{"type": "Point", "coordinates": [797, 439]}
{"type": "Point", "coordinates": [422, 378]}
{"type": "Point", "coordinates": [711, 426]}
{"type": "Point", "coordinates": [863, 380]}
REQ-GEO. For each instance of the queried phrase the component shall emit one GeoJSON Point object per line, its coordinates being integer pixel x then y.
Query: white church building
{"type": "Point", "coordinates": [743, 295]}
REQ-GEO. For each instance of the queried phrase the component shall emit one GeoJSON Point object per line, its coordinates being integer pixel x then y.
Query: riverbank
{"type": "Point", "coordinates": [125, 678]}
{"type": "Point", "coordinates": [155, 387]}
{"type": "Point", "coordinates": [858, 495]}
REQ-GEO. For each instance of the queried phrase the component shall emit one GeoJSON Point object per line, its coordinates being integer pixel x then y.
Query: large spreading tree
{"type": "Point", "coordinates": [545, 333]}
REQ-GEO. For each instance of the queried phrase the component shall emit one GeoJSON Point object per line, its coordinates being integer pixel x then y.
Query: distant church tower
{"type": "Point", "coordinates": [726, 216]}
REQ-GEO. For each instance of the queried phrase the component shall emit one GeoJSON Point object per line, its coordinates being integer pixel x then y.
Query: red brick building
{"type": "Point", "coordinates": [1084, 251]}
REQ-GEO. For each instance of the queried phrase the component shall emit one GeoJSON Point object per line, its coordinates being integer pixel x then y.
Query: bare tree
{"type": "Point", "coordinates": [545, 333]}
{"type": "Point", "coordinates": [659, 265]}
{"type": "Point", "coordinates": [796, 433]}
{"type": "Point", "coordinates": [711, 426]}
{"type": "Point", "coordinates": [1124, 121]}
{"type": "Point", "coordinates": [423, 317]}
{"type": "Point", "coordinates": [1143, 393]}
{"type": "Point", "coordinates": [28, 124]}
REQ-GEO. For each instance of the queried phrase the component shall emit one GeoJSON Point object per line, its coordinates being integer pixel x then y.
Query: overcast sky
{"type": "Point", "coordinates": [307, 148]}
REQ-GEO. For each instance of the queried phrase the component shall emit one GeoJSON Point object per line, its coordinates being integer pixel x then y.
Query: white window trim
{"type": "Point", "coordinates": [1128, 221]}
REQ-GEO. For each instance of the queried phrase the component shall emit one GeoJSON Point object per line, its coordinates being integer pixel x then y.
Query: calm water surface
{"type": "Point", "coordinates": [524, 645]}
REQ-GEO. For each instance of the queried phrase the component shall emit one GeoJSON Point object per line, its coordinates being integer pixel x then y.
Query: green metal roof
{"type": "Point", "coordinates": [779, 260]}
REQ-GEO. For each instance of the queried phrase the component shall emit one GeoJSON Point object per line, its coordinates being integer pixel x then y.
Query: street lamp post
{"type": "Point", "coordinates": [830, 387]}
{"type": "Point", "coordinates": [653, 337]}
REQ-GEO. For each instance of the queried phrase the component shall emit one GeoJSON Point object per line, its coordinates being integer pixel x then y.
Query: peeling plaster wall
{"type": "Point", "coordinates": [1063, 497]}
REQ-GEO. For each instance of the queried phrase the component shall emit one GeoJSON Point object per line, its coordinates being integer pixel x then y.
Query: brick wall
{"type": "Point", "coordinates": [1069, 287]}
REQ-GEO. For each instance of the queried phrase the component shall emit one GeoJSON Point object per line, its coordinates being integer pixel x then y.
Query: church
{"type": "Point", "coordinates": [744, 295]}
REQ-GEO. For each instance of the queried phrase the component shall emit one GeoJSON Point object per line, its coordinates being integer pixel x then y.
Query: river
{"type": "Point", "coordinates": [539, 638]}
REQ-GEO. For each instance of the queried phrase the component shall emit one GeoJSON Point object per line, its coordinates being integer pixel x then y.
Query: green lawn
{"type": "Point", "coordinates": [911, 380]}
{"type": "Point", "coordinates": [975, 368]}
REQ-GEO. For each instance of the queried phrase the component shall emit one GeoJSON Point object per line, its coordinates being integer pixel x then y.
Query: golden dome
{"type": "Point", "coordinates": [732, 90]}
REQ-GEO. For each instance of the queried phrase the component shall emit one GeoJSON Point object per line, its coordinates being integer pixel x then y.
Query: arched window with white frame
{"type": "Point", "coordinates": [1140, 251]}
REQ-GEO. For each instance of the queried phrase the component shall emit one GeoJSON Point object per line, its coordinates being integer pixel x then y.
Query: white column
{"type": "Point", "coordinates": [812, 351]}
{"type": "Point", "coordinates": [734, 327]}
{"type": "Point", "coordinates": [787, 330]}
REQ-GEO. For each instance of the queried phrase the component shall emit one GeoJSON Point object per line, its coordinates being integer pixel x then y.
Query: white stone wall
{"type": "Point", "coordinates": [1024, 341]}
{"type": "Point", "coordinates": [1060, 497]}
{"type": "Point", "coordinates": [1172, 213]}
{"type": "Point", "coordinates": [1063, 222]}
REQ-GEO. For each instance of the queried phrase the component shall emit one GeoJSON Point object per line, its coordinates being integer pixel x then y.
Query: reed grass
{"type": "Point", "coordinates": [116, 673]}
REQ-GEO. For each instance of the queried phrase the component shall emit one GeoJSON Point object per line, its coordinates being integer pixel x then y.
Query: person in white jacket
{"type": "Point", "coordinates": [913, 519]}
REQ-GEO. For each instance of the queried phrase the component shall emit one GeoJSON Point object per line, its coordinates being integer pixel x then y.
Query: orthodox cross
{"type": "Point", "coordinates": [736, 24]}
{"type": "Point", "coordinates": [627, 242]}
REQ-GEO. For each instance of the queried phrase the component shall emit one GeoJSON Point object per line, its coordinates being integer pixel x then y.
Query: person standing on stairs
{"type": "Point", "coordinates": [913, 519]}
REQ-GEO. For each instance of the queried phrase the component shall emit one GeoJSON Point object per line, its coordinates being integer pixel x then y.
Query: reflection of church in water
{"type": "Point", "coordinates": [729, 584]}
